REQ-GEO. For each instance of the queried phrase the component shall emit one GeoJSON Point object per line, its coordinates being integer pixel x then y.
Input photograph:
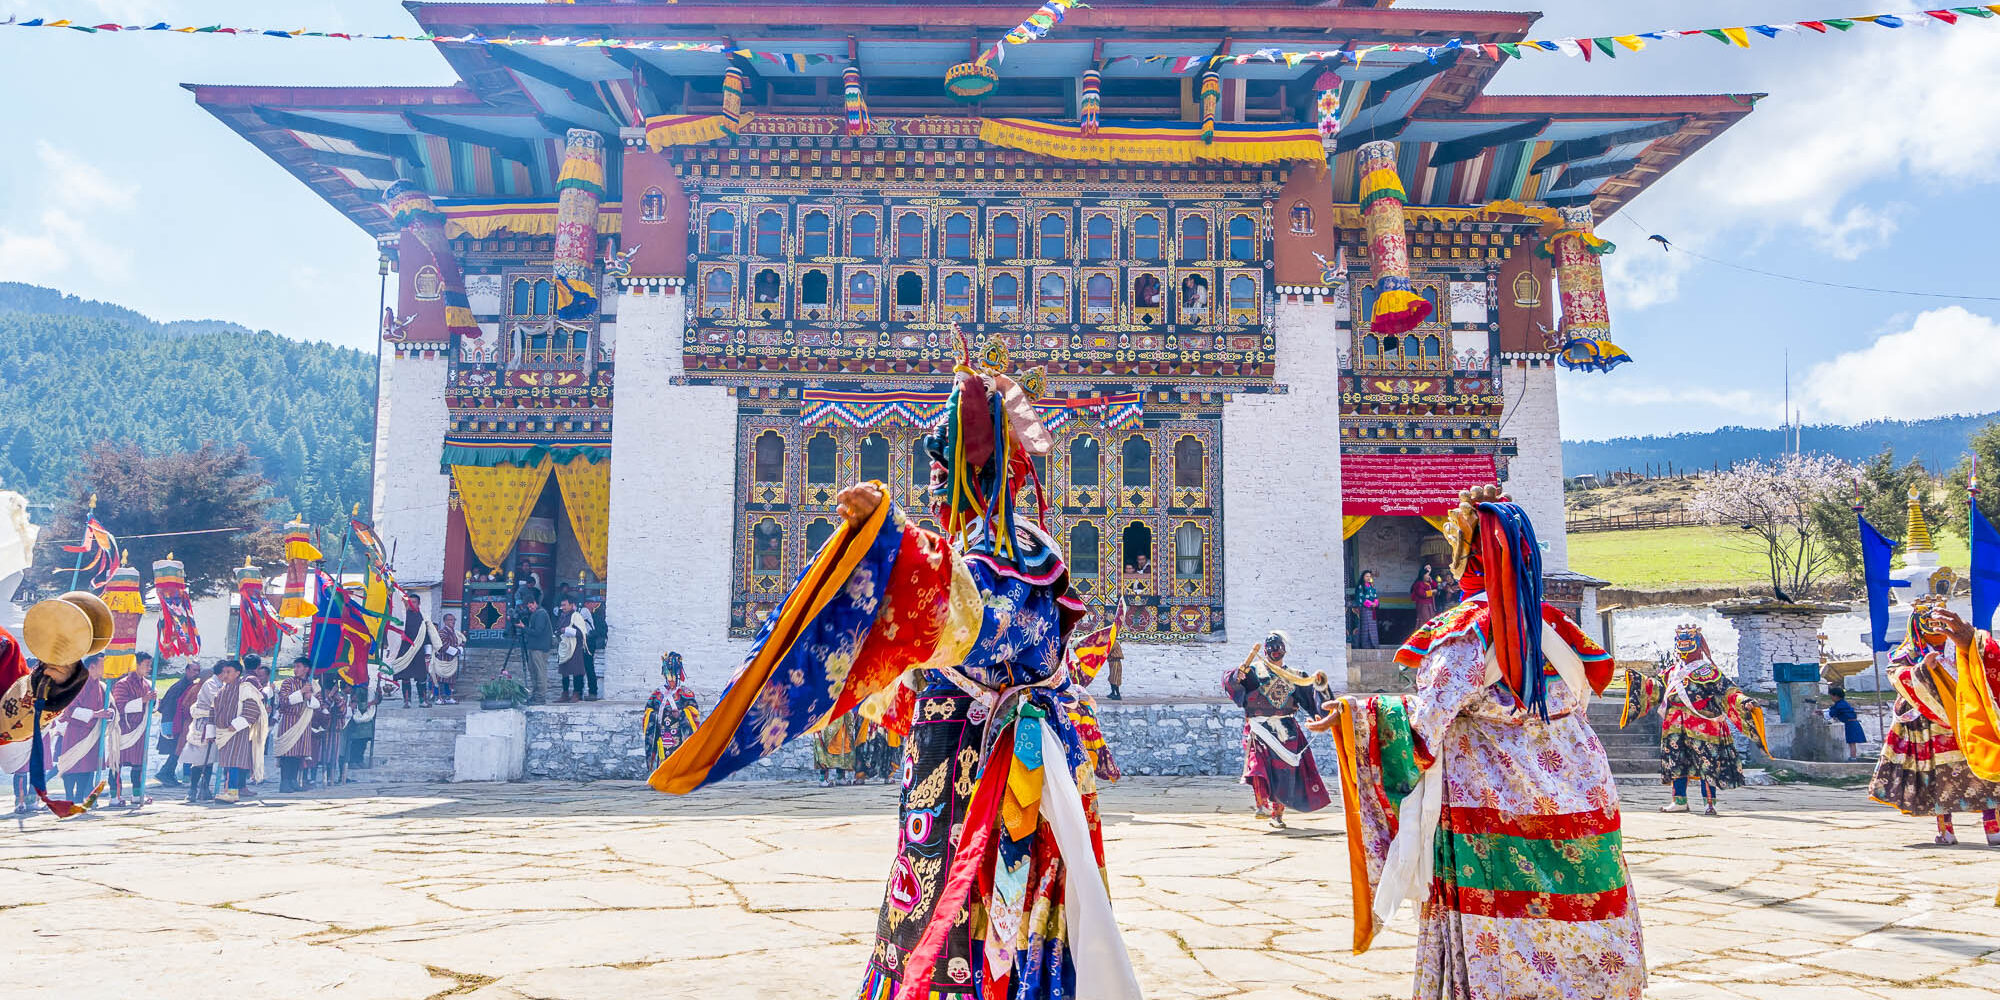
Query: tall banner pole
{"type": "Point", "coordinates": [83, 545]}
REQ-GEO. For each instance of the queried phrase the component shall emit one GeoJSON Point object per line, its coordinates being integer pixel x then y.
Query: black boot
{"type": "Point", "coordinates": [1114, 695]}
{"type": "Point", "coordinates": [166, 778]}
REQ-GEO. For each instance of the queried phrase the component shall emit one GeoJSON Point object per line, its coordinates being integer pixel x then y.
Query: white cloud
{"type": "Point", "coordinates": [1856, 232]}
{"type": "Point", "coordinates": [78, 200]}
{"type": "Point", "coordinates": [1944, 363]}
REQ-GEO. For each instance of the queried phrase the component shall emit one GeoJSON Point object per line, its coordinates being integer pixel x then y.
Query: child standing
{"type": "Point", "coordinates": [1842, 711]}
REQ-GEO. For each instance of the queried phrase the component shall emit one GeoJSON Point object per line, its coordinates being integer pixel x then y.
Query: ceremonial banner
{"type": "Point", "coordinates": [1876, 553]}
{"type": "Point", "coordinates": [1409, 485]}
{"type": "Point", "coordinates": [122, 594]}
{"type": "Point", "coordinates": [178, 636]}
{"type": "Point", "coordinates": [1985, 570]}
{"type": "Point", "coordinates": [99, 553]}
{"type": "Point", "coordinates": [497, 500]}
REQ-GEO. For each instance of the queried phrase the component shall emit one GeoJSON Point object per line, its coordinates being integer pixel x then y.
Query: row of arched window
{"type": "Point", "coordinates": [1012, 296]}
{"type": "Point", "coordinates": [1009, 235]}
{"type": "Point", "coordinates": [1084, 548]}
{"type": "Point", "coordinates": [1086, 460]}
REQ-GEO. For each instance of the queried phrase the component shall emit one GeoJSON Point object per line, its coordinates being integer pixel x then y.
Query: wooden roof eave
{"type": "Point", "coordinates": [304, 163]}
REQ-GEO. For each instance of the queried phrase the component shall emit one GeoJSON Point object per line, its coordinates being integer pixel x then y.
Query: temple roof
{"type": "Point", "coordinates": [497, 134]}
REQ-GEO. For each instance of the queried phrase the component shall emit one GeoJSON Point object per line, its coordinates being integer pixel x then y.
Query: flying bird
{"type": "Point", "coordinates": [1662, 241]}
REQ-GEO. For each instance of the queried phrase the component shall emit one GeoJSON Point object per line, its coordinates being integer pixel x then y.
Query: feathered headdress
{"type": "Point", "coordinates": [1494, 551]}
{"type": "Point", "coordinates": [981, 452]}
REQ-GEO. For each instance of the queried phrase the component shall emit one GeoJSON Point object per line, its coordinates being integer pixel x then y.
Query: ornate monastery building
{"type": "Point", "coordinates": [654, 306]}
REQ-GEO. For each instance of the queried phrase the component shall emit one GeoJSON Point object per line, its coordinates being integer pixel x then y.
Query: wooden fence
{"type": "Point", "coordinates": [1631, 522]}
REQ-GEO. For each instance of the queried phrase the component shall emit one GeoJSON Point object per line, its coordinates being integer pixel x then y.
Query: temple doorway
{"type": "Point", "coordinates": [1396, 550]}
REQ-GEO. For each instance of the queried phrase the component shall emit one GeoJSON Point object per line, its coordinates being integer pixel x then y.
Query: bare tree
{"type": "Point", "coordinates": [1775, 503]}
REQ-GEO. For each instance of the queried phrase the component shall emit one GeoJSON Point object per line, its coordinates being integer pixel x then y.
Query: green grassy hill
{"type": "Point", "coordinates": [79, 372]}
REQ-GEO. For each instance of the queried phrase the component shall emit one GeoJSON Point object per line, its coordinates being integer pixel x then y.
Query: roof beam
{"type": "Point", "coordinates": [1351, 140]}
{"type": "Point", "coordinates": [657, 87]}
{"type": "Point", "coordinates": [1573, 150]}
{"type": "Point", "coordinates": [580, 90]}
{"type": "Point", "coordinates": [561, 127]}
{"type": "Point", "coordinates": [1458, 150]}
{"type": "Point", "coordinates": [372, 167]}
{"type": "Point", "coordinates": [513, 148]}
{"type": "Point", "coordinates": [392, 145]}
{"type": "Point", "coordinates": [1413, 73]}
{"type": "Point", "coordinates": [1592, 171]}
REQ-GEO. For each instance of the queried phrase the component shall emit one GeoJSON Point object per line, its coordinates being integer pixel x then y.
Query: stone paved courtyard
{"type": "Point", "coordinates": [551, 891]}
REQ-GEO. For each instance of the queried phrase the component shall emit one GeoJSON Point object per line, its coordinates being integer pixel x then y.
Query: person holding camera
{"type": "Point", "coordinates": [538, 637]}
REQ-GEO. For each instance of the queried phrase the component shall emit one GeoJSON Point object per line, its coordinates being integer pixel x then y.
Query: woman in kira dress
{"type": "Point", "coordinates": [1923, 770]}
{"type": "Point", "coordinates": [1424, 597]}
{"type": "Point", "coordinates": [1485, 797]}
{"type": "Point", "coordinates": [955, 638]}
{"type": "Point", "coordinates": [1277, 761]}
{"type": "Point", "coordinates": [1700, 709]}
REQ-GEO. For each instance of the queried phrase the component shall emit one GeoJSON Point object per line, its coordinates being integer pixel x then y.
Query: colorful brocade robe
{"type": "Point", "coordinates": [672, 711]}
{"type": "Point", "coordinates": [998, 888]}
{"type": "Point", "coordinates": [1924, 770]}
{"type": "Point", "coordinates": [1501, 827]}
{"type": "Point", "coordinates": [1699, 708]}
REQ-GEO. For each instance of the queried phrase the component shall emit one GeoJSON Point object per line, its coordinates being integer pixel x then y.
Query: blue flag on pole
{"type": "Point", "coordinates": [1876, 552]}
{"type": "Point", "coordinates": [1985, 570]}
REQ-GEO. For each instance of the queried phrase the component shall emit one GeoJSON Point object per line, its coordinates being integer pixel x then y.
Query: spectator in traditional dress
{"type": "Point", "coordinates": [1424, 596]}
{"type": "Point", "coordinates": [575, 647]}
{"type": "Point", "coordinates": [445, 659]}
{"type": "Point", "coordinates": [239, 707]}
{"type": "Point", "coordinates": [82, 738]}
{"type": "Point", "coordinates": [538, 637]}
{"type": "Point", "coordinates": [1369, 599]}
{"type": "Point", "coordinates": [174, 706]}
{"type": "Point", "coordinates": [298, 705]}
{"type": "Point", "coordinates": [131, 704]}
{"type": "Point", "coordinates": [360, 730]}
{"type": "Point", "coordinates": [198, 736]}
{"type": "Point", "coordinates": [329, 720]}
{"type": "Point", "coordinates": [418, 641]}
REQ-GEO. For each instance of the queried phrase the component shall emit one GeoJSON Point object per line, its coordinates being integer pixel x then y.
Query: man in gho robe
{"type": "Point", "coordinates": [956, 640]}
{"type": "Point", "coordinates": [1943, 673]}
{"type": "Point", "coordinates": [1699, 711]}
{"type": "Point", "coordinates": [1277, 762]}
{"type": "Point", "coordinates": [329, 723]}
{"type": "Point", "coordinates": [198, 736]}
{"type": "Point", "coordinates": [82, 738]}
{"type": "Point", "coordinates": [298, 707]}
{"type": "Point", "coordinates": [132, 698]}
{"type": "Point", "coordinates": [239, 707]}
{"type": "Point", "coordinates": [174, 706]}
{"type": "Point", "coordinates": [1485, 798]}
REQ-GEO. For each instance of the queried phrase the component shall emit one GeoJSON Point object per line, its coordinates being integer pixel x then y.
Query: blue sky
{"type": "Point", "coordinates": [1875, 161]}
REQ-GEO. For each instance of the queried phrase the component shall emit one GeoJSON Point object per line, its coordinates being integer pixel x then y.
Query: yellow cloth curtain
{"type": "Point", "coordinates": [497, 501]}
{"type": "Point", "coordinates": [1435, 522]}
{"type": "Point", "coordinates": [1351, 523]}
{"type": "Point", "coordinates": [586, 493]}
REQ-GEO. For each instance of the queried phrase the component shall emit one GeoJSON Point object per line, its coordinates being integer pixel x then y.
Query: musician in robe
{"type": "Point", "coordinates": [132, 698]}
{"type": "Point", "coordinates": [298, 706]}
{"type": "Point", "coordinates": [1277, 762]}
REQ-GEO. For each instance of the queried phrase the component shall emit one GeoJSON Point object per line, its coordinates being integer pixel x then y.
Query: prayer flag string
{"type": "Point", "coordinates": [1051, 13]}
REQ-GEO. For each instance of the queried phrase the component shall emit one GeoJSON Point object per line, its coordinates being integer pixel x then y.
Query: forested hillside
{"type": "Point", "coordinates": [74, 373]}
{"type": "Point", "coordinates": [1938, 443]}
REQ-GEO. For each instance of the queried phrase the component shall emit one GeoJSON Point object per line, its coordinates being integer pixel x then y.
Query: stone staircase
{"type": "Point", "coordinates": [414, 744]}
{"type": "Point", "coordinates": [1374, 671]}
{"type": "Point", "coordinates": [1634, 750]}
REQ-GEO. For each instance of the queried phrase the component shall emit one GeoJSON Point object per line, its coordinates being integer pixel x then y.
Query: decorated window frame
{"type": "Point", "coordinates": [830, 234]}
{"type": "Point", "coordinates": [1093, 233]}
{"type": "Point", "coordinates": [1099, 309]}
{"type": "Point", "coordinates": [964, 311]}
{"type": "Point", "coordinates": [768, 242]}
{"type": "Point", "coordinates": [899, 216]}
{"type": "Point", "coordinates": [1253, 242]}
{"type": "Point", "coordinates": [847, 233]}
{"type": "Point", "coordinates": [1236, 309]}
{"type": "Point", "coordinates": [1043, 217]}
{"type": "Point", "coordinates": [945, 237]}
{"type": "Point", "coordinates": [1161, 239]}
{"type": "Point", "coordinates": [712, 234]}
{"type": "Point", "coordinates": [900, 278]}
{"type": "Point", "coordinates": [1155, 311]}
{"type": "Point", "coordinates": [718, 303]}
{"type": "Point", "coordinates": [1080, 569]}
{"type": "Point", "coordinates": [766, 298]}
{"type": "Point", "coordinates": [814, 311]}
{"type": "Point", "coordinates": [1052, 309]}
{"type": "Point", "coordinates": [1206, 223]}
{"type": "Point", "coordinates": [1194, 297]}
{"type": "Point", "coordinates": [853, 306]}
{"type": "Point", "coordinates": [997, 309]}
{"type": "Point", "coordinates": [1021, 234]}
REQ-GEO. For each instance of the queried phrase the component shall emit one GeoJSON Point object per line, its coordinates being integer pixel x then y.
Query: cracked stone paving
{"type": "Point", "coordinates": [553, 891]}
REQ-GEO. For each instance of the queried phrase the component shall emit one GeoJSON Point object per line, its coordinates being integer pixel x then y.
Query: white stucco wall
{"type": "Point", "coordinates": [1534, 476]}
{"type": "Point", "coordinates": [1281, 546]}
{"type": "Point", "coordinates": [410, 493]}
{"type": "Point", "coordinates": [672, 493]}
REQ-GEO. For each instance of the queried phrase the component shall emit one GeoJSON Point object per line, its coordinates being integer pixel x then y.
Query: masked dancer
{"type": "Point", "coordinates": [1485, 798]}
{"type": "Point", "coordinates": [1277, 762]}
{"type": "Point", "coordinates": [1924, 770]}
{"type": "Point", "coordinates": [1700, 709]}
{"type": "Point", "coordinates": [955, 637]}
{"type": "Point", "coordinates": [672, 711]}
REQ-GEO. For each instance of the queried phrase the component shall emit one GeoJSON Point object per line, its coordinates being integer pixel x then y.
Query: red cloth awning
{"type": "Point", "coordinates": [1409, 485]}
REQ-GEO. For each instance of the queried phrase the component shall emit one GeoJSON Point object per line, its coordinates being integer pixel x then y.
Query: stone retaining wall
{"type": "Point", "coordinates": [602, 740]}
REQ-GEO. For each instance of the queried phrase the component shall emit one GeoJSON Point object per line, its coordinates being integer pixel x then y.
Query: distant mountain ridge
{"type": "Point", "coordinates": [1938, 443]}
{"type": "Point", "coordinates": [78, 372]}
